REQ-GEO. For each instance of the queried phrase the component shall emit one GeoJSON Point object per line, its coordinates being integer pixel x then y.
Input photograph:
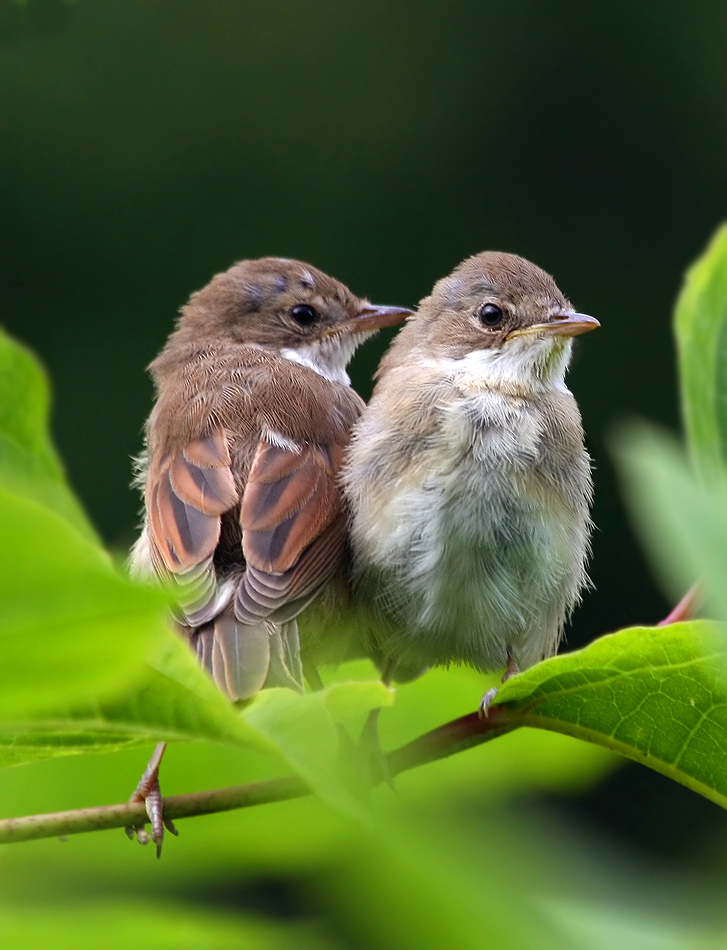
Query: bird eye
{"type": "Point", "coordinates": [304, 314]}
{"type": "Point", "coordinates": [491, 315]}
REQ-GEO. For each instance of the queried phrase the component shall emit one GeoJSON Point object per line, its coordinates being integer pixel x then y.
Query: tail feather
{"type": "Point", "coordinates": [243, 657]}
{"type": "Point", "coordinates": [286, 668]}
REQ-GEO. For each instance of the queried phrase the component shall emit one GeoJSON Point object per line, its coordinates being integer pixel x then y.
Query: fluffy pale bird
{"type": "Point", "coordinates": [467, 479]}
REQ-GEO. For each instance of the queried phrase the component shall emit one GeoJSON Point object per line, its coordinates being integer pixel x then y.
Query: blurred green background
{"type": "Point", "coordinates": [145, 146]}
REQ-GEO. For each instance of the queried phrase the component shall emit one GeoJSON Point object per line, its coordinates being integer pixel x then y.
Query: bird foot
{"type": "Point", "coordinates": [483, 709]}
{"type": "Point", "coordinates": [149, 792]}
{"type": "Point", "coordinates": [511, 670]}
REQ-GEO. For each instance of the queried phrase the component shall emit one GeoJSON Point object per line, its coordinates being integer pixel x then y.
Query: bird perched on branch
{"type": "Point", "coordinates": [467, 477]}
{"type": "Point", "coordinates": [243, 511]}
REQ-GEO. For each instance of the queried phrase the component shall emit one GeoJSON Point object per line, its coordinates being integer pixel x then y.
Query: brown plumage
{"type": "Point", "coordinates": [253, 413]}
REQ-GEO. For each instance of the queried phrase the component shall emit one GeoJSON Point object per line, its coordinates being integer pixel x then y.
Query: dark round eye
{"type": "Point", "coordinates": [491, 315]}
{"type": "Point", "coordinates": [304, 314]}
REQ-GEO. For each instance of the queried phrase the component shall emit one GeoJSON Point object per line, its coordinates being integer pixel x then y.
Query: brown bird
{"type": "Point", "coordinates": [243, 448]}
{"type": "Point", "coordinates": [253, 413]}
{"type": "Point", "coordinates": [468, 479]}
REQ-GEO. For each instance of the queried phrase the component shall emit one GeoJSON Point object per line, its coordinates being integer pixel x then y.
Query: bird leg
{"type": "Point", "coordinates": [512, 669]}
{"type": "Point", "coordinates": [149, 792]}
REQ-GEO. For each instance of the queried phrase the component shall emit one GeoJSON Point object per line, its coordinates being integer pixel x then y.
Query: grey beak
{"type": "Point", "coordinates": [373, 317]}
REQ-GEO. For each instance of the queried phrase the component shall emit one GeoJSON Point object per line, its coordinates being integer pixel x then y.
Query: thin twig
{"type": "Point", "coordinates": [61, 823]}
{"type": "Point", "coordinates": [452, 737]}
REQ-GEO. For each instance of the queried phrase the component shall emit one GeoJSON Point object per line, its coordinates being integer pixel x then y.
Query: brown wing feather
{"type": "Point", "coordinates": [210, 452]}
{"type": "Point", "coordinates": [293, 529]}
{"type": "Point", "coordinates": [162, 554]}
{"type": "Point", "coordinates": [289, 500]}
{"type": "Point", "coordinates": [187, 492]}
{"type": "Point", "coordinates": [211, 490]}
{"type": "Point", "coordinates": [274, 496]}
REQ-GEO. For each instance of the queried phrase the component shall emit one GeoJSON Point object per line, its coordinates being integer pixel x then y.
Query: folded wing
{"type": "Point", "coordinates": [293, 535]}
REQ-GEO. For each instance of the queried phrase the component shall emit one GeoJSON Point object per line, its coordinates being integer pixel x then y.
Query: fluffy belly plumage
{"type": "Point", "coordinates": [476, 575]}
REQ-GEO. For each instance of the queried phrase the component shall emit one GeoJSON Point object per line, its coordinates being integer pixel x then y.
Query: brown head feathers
{"type": "Point", "coordinates": [478, 306]}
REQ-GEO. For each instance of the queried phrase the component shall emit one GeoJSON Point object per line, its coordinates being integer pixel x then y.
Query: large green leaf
{"type": "Point", "coordinates": [53, 740]}
{"type": "Point", "coordinates": [176, 700]}
{"type": "Point", "coordinates": [305, 732]}
{"type": "Point", "coordinates": [701, 330]}
{"type": "Point", "coordinates": [434, 885]}
{"type": "Point", "coordinates": [683, 522]}
{"type": "Point", "coordinates": [25, 402]}
{"type": "Point", "coordinates": [173, 699]}
{"type": "Point", "coordinates": [70, 626]}
{"type": "Point", "coordinates": [655, 694]}
{"type": "Point", "coordinates": [29, 464]}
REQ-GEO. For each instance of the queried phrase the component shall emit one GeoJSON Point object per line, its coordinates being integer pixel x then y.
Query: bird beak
{"type": "Point", "coordinates": [560, 324]}
{"type": "Point", "coordinates": [371, 317]}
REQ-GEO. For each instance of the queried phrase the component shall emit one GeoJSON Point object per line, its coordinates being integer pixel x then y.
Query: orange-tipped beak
{"type": "Point", "coordinates": [562, 324]}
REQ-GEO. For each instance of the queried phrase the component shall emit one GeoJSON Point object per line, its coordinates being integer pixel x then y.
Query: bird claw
{"type": "Point", "coordinates": [149, 792]}
{"type": "Point", "coordinates": [511, 670]}
{"type": "Point", "coordinates": [483, 710]}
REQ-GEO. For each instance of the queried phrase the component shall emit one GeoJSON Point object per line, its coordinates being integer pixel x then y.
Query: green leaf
{"type": "Point", "coordinates": [173, 700]}
{"type": "Point", "coordinates": [701, 330]}
{"type": "Point", "coordinates": [29, 464]}
{"type": "Point", "coordinates": [349, 700]}
{"type": "Point", "coordinates": [24, 747]}
{"type": "Point", "coordinates": [438, 882]}
{"type": "Point", "coordinates": [631, 927]}
{"type": "Point", "coordinates": [70, 627]}
{"type": "Point", "coordinates": [521, 761]}
{"type": "Point", "coordinates": [683, 523]}
{"type": "Point", "coordinates": [176, 701]}
{"type": "Point", "coordinates": [305, 733]}
{"type": "Point", "coordinates": [25, 402]}
{"type": "Point", "coordinates": [655, 694]}
{"type": "Point", "coordinates": [122, 923]}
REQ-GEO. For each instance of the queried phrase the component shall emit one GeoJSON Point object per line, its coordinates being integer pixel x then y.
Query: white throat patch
{"type": "Point", "coordinates": [329, 356]}
{"type": "Point", "coordinates": [518, 368]}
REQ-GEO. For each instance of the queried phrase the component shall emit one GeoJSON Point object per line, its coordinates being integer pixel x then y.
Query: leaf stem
{"type": "Point", "coordinates": [446, 740]}
{"type": "Point", "coordinates": [685, 609]}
